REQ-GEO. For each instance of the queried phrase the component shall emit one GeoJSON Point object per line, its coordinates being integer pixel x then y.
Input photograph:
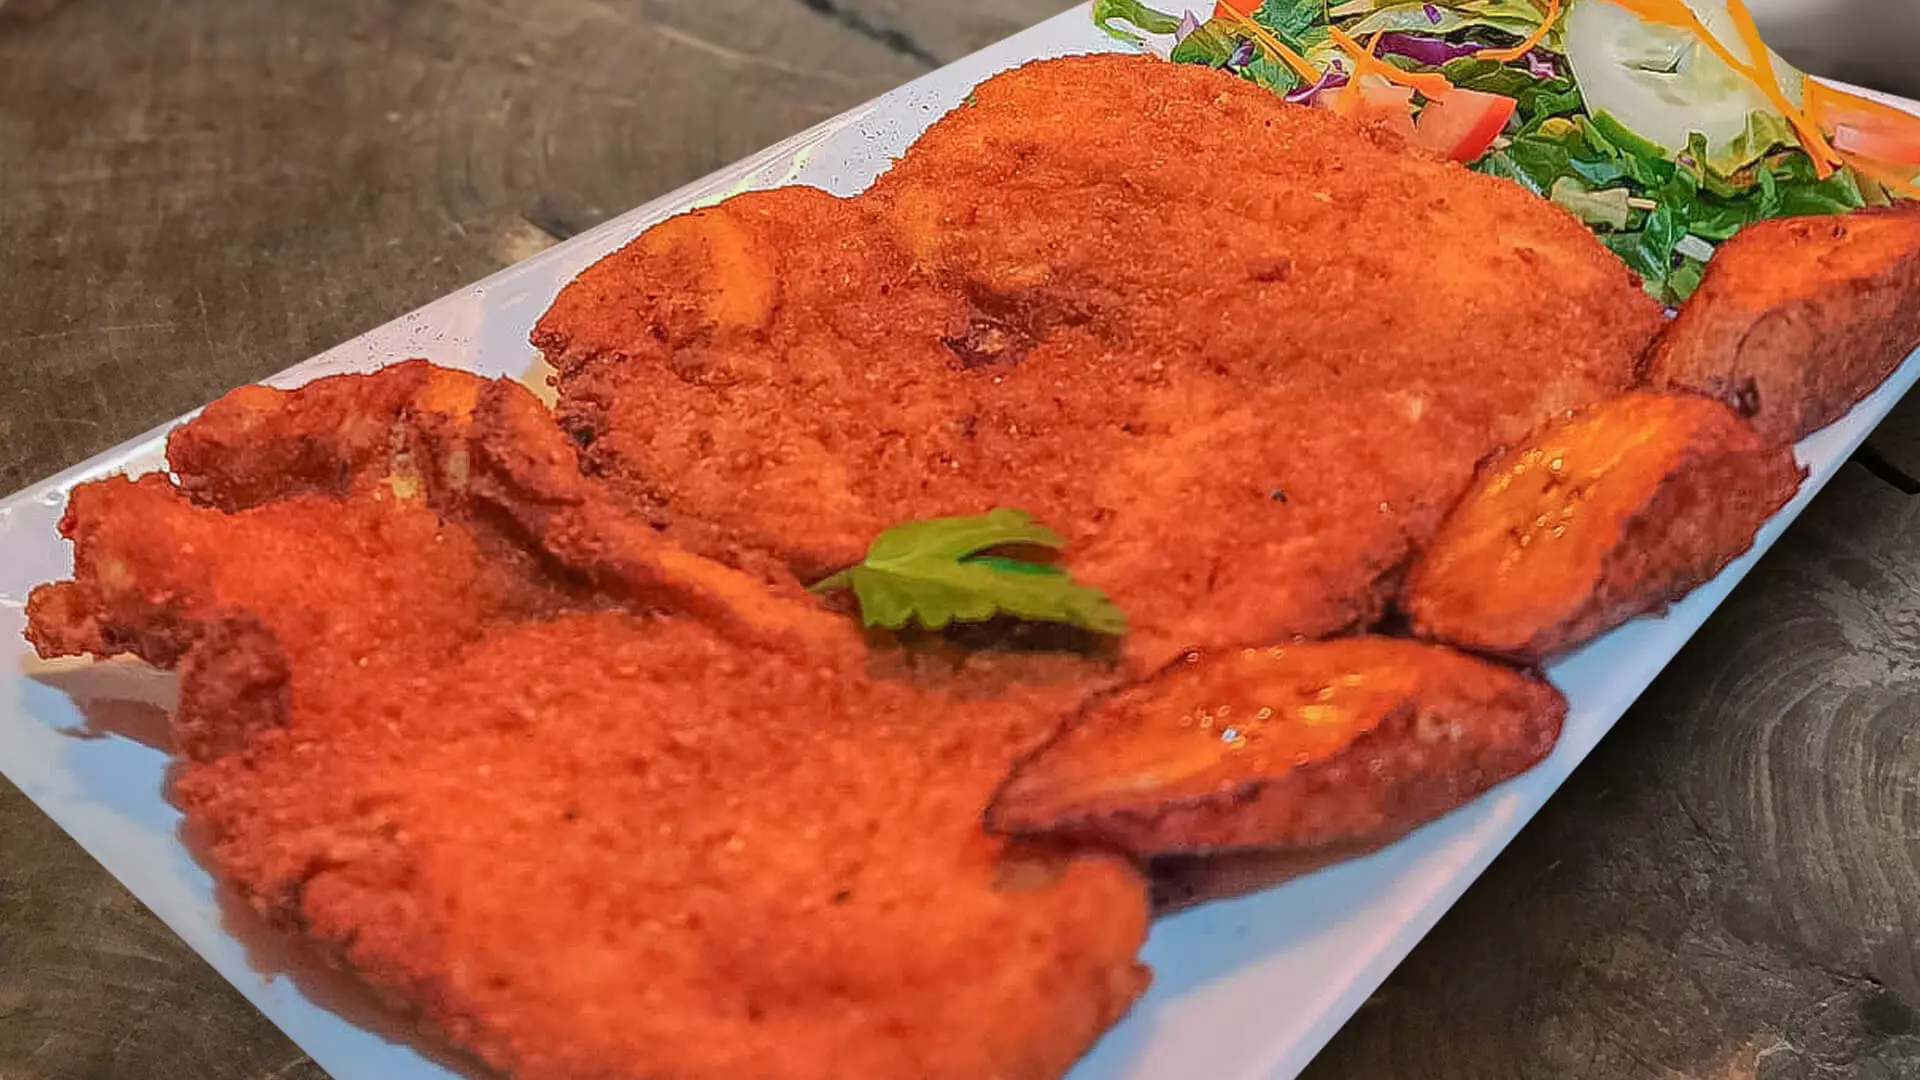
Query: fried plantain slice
{"type": "Point", "coordinates": [1611, 513]}
{"type": "Point", "coordinates": [1349, 742]}
{"type": "Point", "coordinates": [1798, 319]}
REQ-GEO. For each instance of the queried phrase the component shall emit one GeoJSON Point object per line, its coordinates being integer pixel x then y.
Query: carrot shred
{"type": "Point", "coordinates": [1820, 94]}
{"type": "Point", "coordinates": [1907, 186]}
{"type": "Point", "coordinates": [1432, 84]}
{"type": "Point", "coordinates": [1539, 35]}
{"type": "Point", "coordinates": [1273, 44]}
{"type": "Point", "coordinates": [1811, 139]}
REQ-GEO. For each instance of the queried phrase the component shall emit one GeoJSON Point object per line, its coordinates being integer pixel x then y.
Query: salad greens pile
{"type": "Point", "coordinates": [1646, 118]}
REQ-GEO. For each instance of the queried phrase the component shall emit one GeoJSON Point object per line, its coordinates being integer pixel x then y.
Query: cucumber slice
{"type": "Point", "coordinates": [1663, 82]}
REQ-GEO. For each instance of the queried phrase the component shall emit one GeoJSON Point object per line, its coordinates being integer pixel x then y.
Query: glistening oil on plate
{"type": "Point", "coordinates": [1244, 989]}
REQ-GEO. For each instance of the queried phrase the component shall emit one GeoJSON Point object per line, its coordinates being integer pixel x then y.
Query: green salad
{"type": "Point", "coordinates": [1665, 125]}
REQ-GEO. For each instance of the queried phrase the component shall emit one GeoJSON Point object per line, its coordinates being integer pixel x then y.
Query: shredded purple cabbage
{"type": "Point", "coordinates": [1435, 52]}
{"type": "Point", "coordinates": [1432, 13]}
{"type": "Point", "coordinates": [1243, 54]}
{"type": "Point", "coordinates": [1332, 78]}
{"type": "Point", "coordinates": [1188, 24]}
{"type": "Point", "coordinates": [1432, 52]}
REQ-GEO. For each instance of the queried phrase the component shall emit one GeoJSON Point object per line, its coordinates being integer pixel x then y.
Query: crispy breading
{"type": "Point", "coordinates": [585, 840]}
{"type": "Point", "coordinates": [1243, 403]}
{"type": "Point", "coordinates": [519, 463]}
{"type": "Point", "coordinates": [688, 361]}
{"type": "Point", "coordinates": [1613, 513]}
{"type": "Point", "coordinates": [1797, 319]}
{"type": "Point", "coordinates": [1349, 743]}
{"type": "Point", "coordinates": [257, 443]}
{"type": "Point", "coordinates": [415, 430]}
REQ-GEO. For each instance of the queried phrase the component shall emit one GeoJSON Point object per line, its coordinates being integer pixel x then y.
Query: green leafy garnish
{"type": "Point", "coordinates": [1515, 18]}
{"type": "Point", "coordinates": [1215, 43]}
{"type": "Point", "coordinates": [1611, 207]}
{"type": "Point", "coordinates": [962, 569]}
{"type": "Point", "coordinates": [1299, 24]}
{"type": "Point", "coordinates": [1211, 43]}
{"type": "Point", "coordinates": [1689, 196]}
{"type": "Point", "coordinates": [1585, 130]}
{"type": "Point", "coordinates": [1107, 12]}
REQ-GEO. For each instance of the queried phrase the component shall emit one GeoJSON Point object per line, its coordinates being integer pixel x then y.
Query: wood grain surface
{"type": "Point", "coordinates": [195, 193]}
{"type": "Point", "coordinates": [1730, 888]}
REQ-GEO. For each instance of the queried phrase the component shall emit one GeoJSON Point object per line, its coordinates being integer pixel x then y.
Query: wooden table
{"type": "Point", "coordinates": [196, 193]}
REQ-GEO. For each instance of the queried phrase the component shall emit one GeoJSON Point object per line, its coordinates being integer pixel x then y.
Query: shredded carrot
{"type": "Point", "coordinates": [1539, 35]}
{"type": "Point", "coordinates": [1811, 101]}
{"type": "Point", "coordinates": [1810, 137]}
{"type": "Point", "coordinates": [1432, 84]}
{"type": "Point", "coordinates": [1906, 186]}
{"type": "Point", "coordinates": [1273, 44]}
{"type": "Point", "coordinates": [1819, 95]}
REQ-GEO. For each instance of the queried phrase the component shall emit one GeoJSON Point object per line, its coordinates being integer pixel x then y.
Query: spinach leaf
{"type": "Point", "coordinates": [1301, 25]}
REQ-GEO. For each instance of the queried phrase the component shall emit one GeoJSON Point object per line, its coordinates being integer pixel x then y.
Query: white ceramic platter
{"type": "Point", "coordinates": [1248, 989]}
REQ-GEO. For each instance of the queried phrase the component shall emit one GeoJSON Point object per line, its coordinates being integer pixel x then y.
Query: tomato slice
{"type": "Point", "coordinates": [1880, 141]}
{"type": "Point", "coordinates": [1464, 123]}
{"type": "Point", "coordinates": [1893, 137]}
{"type": "Point", "coordinates": [1369, 101]}
{"type": "Point", "coordinates": [1864, 128]}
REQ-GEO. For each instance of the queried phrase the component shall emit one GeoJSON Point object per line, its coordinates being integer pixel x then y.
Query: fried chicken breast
{"type": "Point", "coordinates": [1240, 354]}
{"type": "Point", "coordinates": [584, 833]}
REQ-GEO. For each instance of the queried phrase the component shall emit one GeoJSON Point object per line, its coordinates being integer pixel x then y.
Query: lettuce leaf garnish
{"type": "Point", "coordinates": [967, 569]}
{"type": "Point", "coordinates": [1679, 198]}
{"type": "Point", "coordinates": [1299, 24]}
{"type": "Point", "coordinates": [1514, 17]}
{"type": "Point", "coordinates": [1106, 13]}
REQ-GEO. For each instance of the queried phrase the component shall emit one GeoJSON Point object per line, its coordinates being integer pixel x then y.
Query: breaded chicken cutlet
{"type": "Point", "coordinates": [600, 808]}
{"type": "Point", "coordinates": [1240, 355]}
{"type": "Point", "coordinates": [500, 773]}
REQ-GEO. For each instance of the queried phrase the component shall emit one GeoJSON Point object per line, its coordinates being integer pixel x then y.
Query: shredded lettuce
{"type": "Point", "coordinates": [1765, 133]}
{"type": "Point", "coordinates": [1413, 19]}
{"type": "Point", "coordinates": [1223, 43]}
{"type": "Point", "coordinates": [1611, 207]}
{"type": "Point", "coordinates": [1539, 98]}
{"type": "Point", "coordinates": [1211, 43]}
{"type": "Point", "coordinates": [1106, 13]}
{"type": "Point", "coordinates": [1689, 198]}
{"type": "Point", "coordinates": [1300, 24]}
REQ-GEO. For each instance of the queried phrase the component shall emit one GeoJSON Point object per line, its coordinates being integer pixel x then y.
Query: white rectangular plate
{"type": "Point", "coordinates": [1248, 989]}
